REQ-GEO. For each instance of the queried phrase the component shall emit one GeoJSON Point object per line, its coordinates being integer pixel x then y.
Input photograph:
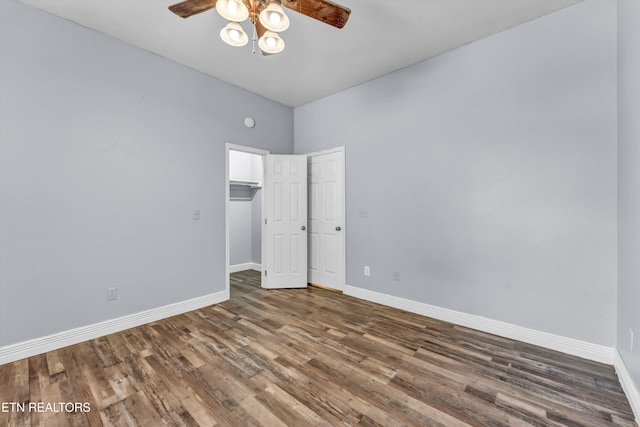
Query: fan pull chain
{"type": "Point", "coordinates": [254, 39]}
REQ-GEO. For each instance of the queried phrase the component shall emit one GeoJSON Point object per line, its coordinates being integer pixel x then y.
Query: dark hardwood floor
{"type": "Point", "coordinates": [310, 357]}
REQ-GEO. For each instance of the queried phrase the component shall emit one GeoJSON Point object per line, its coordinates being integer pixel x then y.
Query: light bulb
{"type": "Point", "coordinates": [234, 35]}
{"type": "Point", "coordinates": [231, 10]}
{"type": "Point", "coordinates": [274, 18]}
{"type": "Point", "coordinates": [270, 42]}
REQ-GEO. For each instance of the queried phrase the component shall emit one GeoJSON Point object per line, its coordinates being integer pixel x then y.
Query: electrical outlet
{"type": "Point", "coordinates": [396, 276]}
{"type": "Point", "coordinates": [112, 294]}
{"type": "Point", "coordinates": [630, 339]}
{"type": "Point", "coordinates": [196, 214]}
{"type": "Point", "coordinates": [367, 270]}
{"type": "Point", "coordinates": [363, 213]}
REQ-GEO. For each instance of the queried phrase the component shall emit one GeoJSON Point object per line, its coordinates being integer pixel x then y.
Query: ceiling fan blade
{"type": "Point", "coordinates": [323, 10]}
{"type": "Point", "coordinates": [189, 8]}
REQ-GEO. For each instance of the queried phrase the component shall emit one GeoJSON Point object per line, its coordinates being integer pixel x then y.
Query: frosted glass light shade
{"type": "Point", "coordinates": [234, 35]}
{"type": "Point", "coordinates": [232, 10]}
{"type": "Point", "coordinates": [273, 18]}
{"type": "Point", "coordinates": [270, 42]}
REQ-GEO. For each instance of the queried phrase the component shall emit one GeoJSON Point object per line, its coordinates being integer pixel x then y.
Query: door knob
{"type": "Point", "coordinates": [338, 228]}
{"type": "Point", "coordinates": [303, 228]}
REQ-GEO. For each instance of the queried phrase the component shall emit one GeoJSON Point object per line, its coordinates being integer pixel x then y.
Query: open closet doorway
{"type": "Point", "coordinates": [244, 209]}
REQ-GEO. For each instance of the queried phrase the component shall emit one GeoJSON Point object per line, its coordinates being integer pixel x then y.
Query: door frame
{"type": "Point", "coordinates": [227, 194]}
{"type": "Point", "coordinates": [343, 236]}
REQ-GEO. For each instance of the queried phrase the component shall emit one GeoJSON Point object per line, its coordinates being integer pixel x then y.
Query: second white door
{"type": "Point", "coordinates": [326, 219]}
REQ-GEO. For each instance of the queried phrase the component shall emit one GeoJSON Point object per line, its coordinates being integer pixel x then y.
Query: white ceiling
{"type": "Point", "coordinates": [381, 36]}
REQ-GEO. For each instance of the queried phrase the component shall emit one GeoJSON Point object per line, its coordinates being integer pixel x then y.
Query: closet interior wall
{"type": "Point", "coordinates": [245, 212]}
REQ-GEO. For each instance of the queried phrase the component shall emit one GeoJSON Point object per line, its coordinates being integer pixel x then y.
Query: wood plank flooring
{"type": "Point", "coordinates": [310, 357]}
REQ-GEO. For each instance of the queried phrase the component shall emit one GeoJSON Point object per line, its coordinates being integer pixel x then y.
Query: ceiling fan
{"type": "Point", "coordinates": [267, 16]}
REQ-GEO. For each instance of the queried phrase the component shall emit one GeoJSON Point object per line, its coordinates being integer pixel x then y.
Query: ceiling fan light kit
{"type": "Point", "coordinates": [271, 17]}
{"type": "Point", "coordinates": [267, 17]}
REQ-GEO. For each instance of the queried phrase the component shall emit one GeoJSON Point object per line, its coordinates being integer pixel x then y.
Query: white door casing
{"type": "Point", "coordinates": [228, 148]}
{"type": "Point", "coordinates": [326, 219]}
{"type": "Point", "coordinates": [285, 201]}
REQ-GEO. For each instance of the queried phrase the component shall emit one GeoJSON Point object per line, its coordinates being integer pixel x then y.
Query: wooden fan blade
{"type": "Point", "coordinates": [189, 8]}
{"type": "Point", "coordinates": [323, 10]}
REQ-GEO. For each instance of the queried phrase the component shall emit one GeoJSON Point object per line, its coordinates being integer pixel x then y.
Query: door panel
{"type": "Point", "coordinates": [314, 241]}
{"type": "Point", "coordinates": [326, 220]}
{"type": "Point", "coordinates": [295, 251]}
{"type": "Point", "coordinates": [286, 221]}
{"type": "Point", "coordinates": [331, 241]}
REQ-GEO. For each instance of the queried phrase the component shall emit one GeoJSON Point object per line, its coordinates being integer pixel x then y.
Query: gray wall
{"type": "Point", "coordinates": [489, 175]}
{"type": "Point", "coordinates": [105, 151]}
{"type": "Point", "coordinates": [256, 228]}
{"type": "Point", "coordinates": [256, 211]}
{"type": "Point", "coordinates": [629, 184]}
{"type": "Point", "coordinates": [240, 231]}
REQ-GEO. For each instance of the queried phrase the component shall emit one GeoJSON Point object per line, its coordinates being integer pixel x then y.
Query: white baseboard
{"type": "Point", "coordinates": [13, 352]}
{"type": "Point", "coordinates": [245, 266]}
{"type": "Point", "coordinates": [627, 384]}
{"type": "Point", "coordinates": [586, 350]}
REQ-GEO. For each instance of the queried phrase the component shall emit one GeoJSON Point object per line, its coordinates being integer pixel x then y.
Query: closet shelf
{"type": "Point", "coordinates": [243, 190]}
{"type": "Point", "coordinates": [242, 183]}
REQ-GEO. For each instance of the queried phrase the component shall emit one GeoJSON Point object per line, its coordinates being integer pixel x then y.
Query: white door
{"type": "Point", "coordinates": [285, 201]}
{"type": "Point", "coordinates": [326, 220]}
